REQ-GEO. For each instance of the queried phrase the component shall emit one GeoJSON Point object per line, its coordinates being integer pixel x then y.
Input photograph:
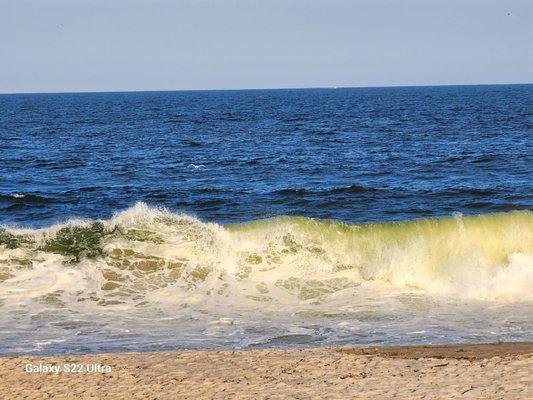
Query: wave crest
{"type": "Point", "coordinates": [149, 254]}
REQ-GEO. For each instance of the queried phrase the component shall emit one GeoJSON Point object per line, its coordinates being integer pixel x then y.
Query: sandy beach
{"type": "Point", "coordinates": [486, 371]}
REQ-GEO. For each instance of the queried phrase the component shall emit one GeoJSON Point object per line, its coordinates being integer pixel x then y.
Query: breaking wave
{"type": "Point", "coordinates": [149, 254]}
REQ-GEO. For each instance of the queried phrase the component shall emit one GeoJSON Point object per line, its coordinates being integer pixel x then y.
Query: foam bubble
{"type": "Point", "coordinates": [152, 253]}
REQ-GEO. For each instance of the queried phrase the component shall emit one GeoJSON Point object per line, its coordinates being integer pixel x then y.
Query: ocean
{"type": "Point", "coordinates": [265, 218]}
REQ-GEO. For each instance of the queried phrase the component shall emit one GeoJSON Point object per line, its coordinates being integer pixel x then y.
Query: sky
{"type": "Point", "coordinates": [126, 45]}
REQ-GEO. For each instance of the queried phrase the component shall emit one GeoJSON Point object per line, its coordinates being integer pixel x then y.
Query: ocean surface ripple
{"type": "Point", "coordinates": [356, 155]}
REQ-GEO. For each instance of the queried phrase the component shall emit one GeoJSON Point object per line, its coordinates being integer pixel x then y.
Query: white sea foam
{"type": "Point", "coordinates": [485, 257]}
{"type": "Point", "coordinates": [151, 259]}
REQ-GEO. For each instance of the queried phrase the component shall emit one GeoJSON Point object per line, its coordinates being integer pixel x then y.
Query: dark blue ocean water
{"type": "Point", "coordinates": [372, 154]}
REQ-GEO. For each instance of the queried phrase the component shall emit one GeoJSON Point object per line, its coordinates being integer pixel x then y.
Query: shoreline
{"type": "Point", "coordinates": [490, 370]}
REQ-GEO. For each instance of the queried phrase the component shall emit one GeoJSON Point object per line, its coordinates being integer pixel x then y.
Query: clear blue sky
{"type": "Point", "coordinates": [96, 45]}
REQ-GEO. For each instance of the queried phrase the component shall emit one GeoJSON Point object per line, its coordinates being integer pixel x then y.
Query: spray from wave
{"type": "Point", "coordinates": [146, 251]}
{"type": "Point", "coordinates": [148, 265]}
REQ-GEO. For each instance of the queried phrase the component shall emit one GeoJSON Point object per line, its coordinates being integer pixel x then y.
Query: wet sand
{"type": "Point", "coordinates": [486, 371]}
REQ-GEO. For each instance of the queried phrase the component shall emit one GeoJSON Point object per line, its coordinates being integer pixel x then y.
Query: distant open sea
{"type": "Point", "coordinates": [253, 218]}
{"type": "Point", "coordinates": [376, 154]}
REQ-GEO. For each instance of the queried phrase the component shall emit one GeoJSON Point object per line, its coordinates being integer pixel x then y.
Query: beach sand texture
{"type": "Point", "coordinates": [490, 371]}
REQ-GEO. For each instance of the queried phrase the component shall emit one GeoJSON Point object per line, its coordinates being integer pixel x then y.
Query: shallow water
{"type": "Point", "coordinates": [237, 258]}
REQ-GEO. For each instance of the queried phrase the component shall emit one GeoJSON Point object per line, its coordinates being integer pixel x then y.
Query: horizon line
{"type": "Point", "coordinates": [269, 88]}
